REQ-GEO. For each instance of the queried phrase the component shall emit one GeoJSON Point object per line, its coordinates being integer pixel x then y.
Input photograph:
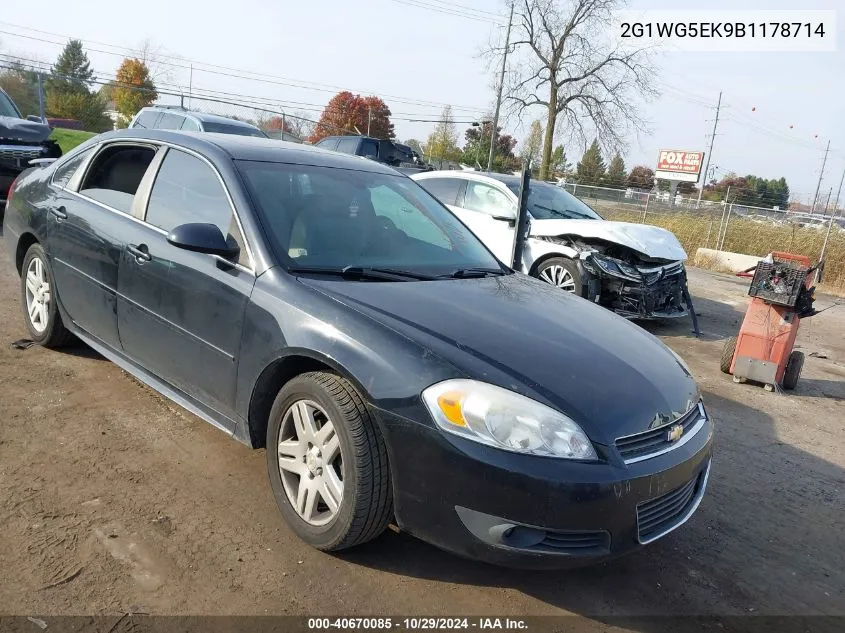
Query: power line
{"type": "Point", "coordinates": [421, 4]}
{"type": "Point", "coordinates": [237, 73]}
{"type": "Point", "coordinates": [821, 175]}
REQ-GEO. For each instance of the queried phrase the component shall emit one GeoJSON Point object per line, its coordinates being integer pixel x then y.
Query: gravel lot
{"type": "Point", "coordinates": [114, 500]}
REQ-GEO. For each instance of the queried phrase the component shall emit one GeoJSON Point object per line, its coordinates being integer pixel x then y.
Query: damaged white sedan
{"type": "Point", "coordinates": [636, 270]}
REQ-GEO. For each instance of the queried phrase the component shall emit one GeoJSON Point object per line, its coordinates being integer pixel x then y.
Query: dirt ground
{"type": "Point", "coordinates": [114, 500]}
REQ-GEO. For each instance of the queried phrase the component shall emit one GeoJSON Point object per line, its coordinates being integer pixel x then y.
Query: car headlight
{"type": "Point", "coordinates": [617, 268]}
{"type": "Point", "coordinates": [504, 419]}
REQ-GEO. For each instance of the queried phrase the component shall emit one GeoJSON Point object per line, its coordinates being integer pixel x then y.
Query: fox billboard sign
{"type": "Point", "coordinates": [676, 164]}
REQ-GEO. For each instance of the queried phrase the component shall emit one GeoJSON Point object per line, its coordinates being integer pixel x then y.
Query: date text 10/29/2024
{"type": "Point", "coordinates": [416, 624]}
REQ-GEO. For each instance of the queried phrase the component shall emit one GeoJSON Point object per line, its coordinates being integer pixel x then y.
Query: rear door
{"type": "Point", "coordinates": [180, 313]}
{"type": "Point", "coordinates": [91, 211]}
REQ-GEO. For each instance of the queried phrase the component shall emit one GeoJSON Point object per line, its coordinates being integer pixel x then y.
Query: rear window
{"type": "Point", "coordinates": [67, 169]}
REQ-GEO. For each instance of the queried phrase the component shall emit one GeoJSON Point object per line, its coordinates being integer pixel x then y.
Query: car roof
{"type": "Point", "coordinates": [481, 176]}
{"type": "Point", "coordinates": [205, 117]}
{"type": "Point", "coordinates": [253, 148]}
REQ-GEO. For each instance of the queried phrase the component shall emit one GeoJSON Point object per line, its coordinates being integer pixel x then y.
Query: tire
{"type": "Point", "coordinates": [728, 352]}
{"type": "Point", "coordinates": [360, 465]}
{"type": "Point", "coordinates": [793, 370]}
{"type": "Point", "coordinates": [560, 272]}
{"type": "Point", "coordinates": [38, 296]}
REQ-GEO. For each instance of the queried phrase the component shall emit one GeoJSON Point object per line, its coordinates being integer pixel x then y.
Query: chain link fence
{"type": "Point", "coordinates": [727, 226]}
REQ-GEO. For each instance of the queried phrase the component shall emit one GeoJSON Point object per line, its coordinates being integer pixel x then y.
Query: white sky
{"type": "Point", "coordinates": [399, 51]}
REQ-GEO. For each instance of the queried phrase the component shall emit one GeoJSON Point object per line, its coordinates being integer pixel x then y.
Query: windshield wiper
{"type": "Point", "coordinates": [363, 272]}
{"type": "Point", "coordinates": [466, 273]}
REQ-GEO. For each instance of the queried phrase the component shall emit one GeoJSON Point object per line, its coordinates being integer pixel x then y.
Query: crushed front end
{"type": "Point", "coordinates": [635, 289]}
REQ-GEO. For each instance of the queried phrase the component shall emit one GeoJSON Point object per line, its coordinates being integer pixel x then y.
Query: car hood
{"type": "Point", "coordinates": [23, 130]}
{"type": "Point", "coordinates": [610, 376]}
{"type": "Point", "coordinates": [651, 241]}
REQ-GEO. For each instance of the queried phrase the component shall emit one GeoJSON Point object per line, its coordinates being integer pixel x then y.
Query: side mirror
{"type": "Point", "coordinates": [34, 118]}
{"type": "Point", "coordinates": [504, 218]}
{"type": "Point", "coordinates": [202, 238]}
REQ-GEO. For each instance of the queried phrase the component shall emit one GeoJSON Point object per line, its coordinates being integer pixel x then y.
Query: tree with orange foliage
{"type": "Point", "coordinates": [347, 113]}
{"type": "Point", "coordinates": [133, 88]}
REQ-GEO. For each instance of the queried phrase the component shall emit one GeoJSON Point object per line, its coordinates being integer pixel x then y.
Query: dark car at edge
{"type": "Point", "coordinates": [21, 140]}
{"type": "Point", "coordinates": [327, 308]}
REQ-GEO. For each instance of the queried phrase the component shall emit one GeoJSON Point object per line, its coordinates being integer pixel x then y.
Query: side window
{"type": "Point", "coordinates": [369, 148]}
{"type": "Point", "coordinates": [187, 190]}
{"type": "Point", "coordinates": [347, 145]}
{"type": "Point", "coordinates": [444, 189]}
{"type": "Point", "coordinates": [169, 121]}
{"type": "Point", "coordinates": [328, 143]}
{"type": "Point", "coordinates": [115, 174]}
{"type": "Point", "coordinates": [396, 212]}
{"type": "Point", "coordinates": [486, 199]}
{"type": "Point", "coordinates": [147, 119]}
{"type": "Point", "coordinates": [189, 125]}
{"type": "Point", "coordinates": [67, 169]}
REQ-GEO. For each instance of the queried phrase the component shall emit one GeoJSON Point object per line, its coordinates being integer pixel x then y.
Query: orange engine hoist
{"type": "Point", "coordinates": [781, 295]}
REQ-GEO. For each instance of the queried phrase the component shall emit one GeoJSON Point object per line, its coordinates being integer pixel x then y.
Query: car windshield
{"type": "Point", "coordinates": [7, 108]}
{"type": "Point", "coordinates": [232, 128]}
{"type": "Point", "coordinates": [548, 202]}
{"type": "Point", "coordinates": [334, 219]}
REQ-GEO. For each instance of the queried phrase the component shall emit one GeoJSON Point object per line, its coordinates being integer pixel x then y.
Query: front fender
{"type": "Point", "coordinates": [287, 318]}
{"type": "Point", "coordinates": [537, 250]}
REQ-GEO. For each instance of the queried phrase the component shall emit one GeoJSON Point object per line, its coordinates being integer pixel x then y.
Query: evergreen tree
{"type": "Point", "coordinates": [591, 170]}
{"type": "Point", "coordinates": [560, 163]}
{"type": "Point", "coordinates": [72, 70]}
{"type": "Point", "coordinates": [616, 176]}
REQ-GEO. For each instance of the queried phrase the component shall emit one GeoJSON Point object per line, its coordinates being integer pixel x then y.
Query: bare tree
{"type": "Point", "coordinates": [565, 63]}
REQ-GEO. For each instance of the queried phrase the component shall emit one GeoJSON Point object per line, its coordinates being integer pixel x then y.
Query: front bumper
{"type": "Point", "coordinates": [659, 295]}
{"type": "Point", "coordinates": [535, 512]}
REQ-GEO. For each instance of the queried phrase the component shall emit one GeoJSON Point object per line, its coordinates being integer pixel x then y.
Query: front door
{"type": "Point", "coordinates": [180, 313]}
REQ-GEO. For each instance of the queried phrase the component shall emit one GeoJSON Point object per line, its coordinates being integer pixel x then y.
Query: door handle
{"type": "Point", "coordinates": [141, 252]}
{"type": "Point", "coordinates": [59, 212]}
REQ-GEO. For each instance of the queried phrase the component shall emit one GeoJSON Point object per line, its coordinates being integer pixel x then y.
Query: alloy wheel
{"type": "Point", "coordinates": [310, 462]}
{"type": "Point", "coordinates": [37, 295]}
{"type": "Point", "coordinates": [558, 276]}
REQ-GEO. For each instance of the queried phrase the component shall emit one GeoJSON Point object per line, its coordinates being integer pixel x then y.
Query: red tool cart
{"type": "Point", "coordinates": [782, 294]}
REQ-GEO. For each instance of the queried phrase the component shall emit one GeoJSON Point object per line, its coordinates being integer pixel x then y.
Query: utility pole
{"type": "Point", "coordinates": [827, 203]}
{"type": "Point", "coordinates": [369, 119]}
{"type": "Point", "coordinates": [838, 191]}
{"type": "Point", "coordinates": [191, 86]}
{"type": "Point", "coordinates": [821, 175]}
{"type": "Point", "coordinates": [499, 95]}
{"type": "Point", "coordinates": [710, 151]}
{"type": "Point", "coordinates": [41, 98]}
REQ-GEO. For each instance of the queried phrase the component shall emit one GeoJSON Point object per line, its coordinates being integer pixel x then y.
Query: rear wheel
{"type": "Point", "coordinates": [560, 272]}
{"type": "Point", "coordinates": [793, 370]}
{"type": "Point", "coordinates": [728, 352]}
{"type": "Point", "coordinates": [327, 463]}
{"type": "Point", "coordinates": [38, 294]}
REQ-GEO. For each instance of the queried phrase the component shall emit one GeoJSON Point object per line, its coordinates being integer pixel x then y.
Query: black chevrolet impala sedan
{"type": "Point", "coordinates": [329, 309]}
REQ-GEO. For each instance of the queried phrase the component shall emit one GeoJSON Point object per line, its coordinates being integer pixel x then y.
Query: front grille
{"type": "Point", "coordinates": [653, 275]}
{"type": "Point", "coordinates": [576, 542]}
{"type": "Point", "coordinates": [660, 515]}
{"type": "Point", "coordinates": [20, 154]}
{"type": "Point", "coordinates": [644, 445]}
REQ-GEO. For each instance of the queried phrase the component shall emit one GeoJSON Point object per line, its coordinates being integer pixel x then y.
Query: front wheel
{"type": "Point", "coordinates": [560, 272]}
{"type": "Point", "coordinates": [38, 294]}
{"type": "Point", "coordinates": [327, 463]}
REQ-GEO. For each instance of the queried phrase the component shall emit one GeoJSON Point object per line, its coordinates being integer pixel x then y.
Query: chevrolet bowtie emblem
{"type": "Point", "coordinates": [674, 433]}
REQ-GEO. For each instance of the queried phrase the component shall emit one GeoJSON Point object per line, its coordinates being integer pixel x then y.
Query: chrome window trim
{"type": "Point", "coordinates": [77, 178]}
{"type": "Point", "coordinates": [687, 515]}
{"type": "Point", "coordinates": [684, 439]}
